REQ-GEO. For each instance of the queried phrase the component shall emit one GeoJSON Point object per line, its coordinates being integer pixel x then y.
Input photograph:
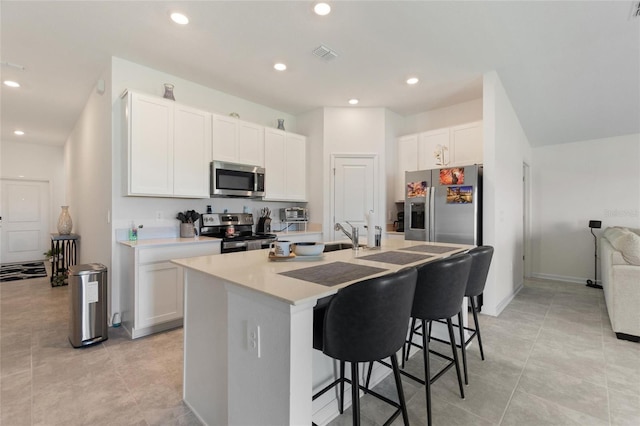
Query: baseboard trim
{"type": "Point", "coordinates": [562, 278]}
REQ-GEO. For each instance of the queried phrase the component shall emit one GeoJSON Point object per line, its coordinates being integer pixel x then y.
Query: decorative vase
{"type": "Point", "coordinates": [168, 91]}
{"type": "Point", "coordinates": [281, 123]}
{"type": "Point", "coordinates": [65, 224]}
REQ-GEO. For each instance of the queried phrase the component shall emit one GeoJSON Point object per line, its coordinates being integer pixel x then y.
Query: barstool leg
{"type": "Point", "coordinates": [477, 325]}
{"type": "Point", "coordinates": [463, 348]}
{"type": "Point", "coordinates": [341, 408]}
{"type": "Point", "coordinates": [396, 375]}
{"type": "Point", "coordinates": [355, 394]}
{"type": "Point", "coordinates": [427, 371]}
{"type": "Point", "coordinates": [413, 326]}
{"type": "Point", "coordinates": [452, 340]}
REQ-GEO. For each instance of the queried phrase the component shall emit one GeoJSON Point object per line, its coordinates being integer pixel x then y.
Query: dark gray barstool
{"type": "Point", "coordinates": [366, 321]}
{"type": "Point", "coordinates": [439, 294]}
{"type": "Point", "coordinates": [480, 263]}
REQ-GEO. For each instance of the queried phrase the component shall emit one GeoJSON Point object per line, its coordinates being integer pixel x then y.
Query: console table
{"type": "Point", "coordinates": [63, 253]}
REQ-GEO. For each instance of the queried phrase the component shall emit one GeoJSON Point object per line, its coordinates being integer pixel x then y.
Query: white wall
{"type": "Point", "coordinates": [465, 112]}
{"type": "Point", "coordinates": [506, 148]}
{"type": "Point", "coordinates": [353, 131]}
{"type": "Point", "coordinates": [572, 184]}
{"type": "Point", "coordinates": [312, 125]}
{"type": "Point", "coordinates": [33, 161]}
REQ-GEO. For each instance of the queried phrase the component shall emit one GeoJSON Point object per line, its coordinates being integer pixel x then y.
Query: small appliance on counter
{"type": "Point", "coordinates": [264, 223]}
{"type": "Point", "coordinates": [398, 225]}
{"type": "Point", "coordinates": [294, 214]}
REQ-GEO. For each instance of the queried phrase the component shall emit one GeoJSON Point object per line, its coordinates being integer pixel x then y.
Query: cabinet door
{"type": "Point", "coordinates": [250, 144]}
{"type": "Point", "coordinates": [466, 144]}
{"type": "Point", "coordinates": [428, 144]}
{"type": "Point", "coordinates": [160, 294]}
{"type": "Point", "coordinates": [296, 167]}
{"type": "Point", "coordinates": [224, 138]}
{"type": "Point", "coordinates": [407, 161]}
{"type": "Point", "coordinates": [150, 150]}
{"type": "Point", "coordinates": [191, 152]}
{"type": "Point", "coordinates": [274, 164]}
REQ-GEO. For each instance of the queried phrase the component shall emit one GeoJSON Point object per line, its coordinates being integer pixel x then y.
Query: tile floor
{"type": "Point", "coordinates": [552, 359]}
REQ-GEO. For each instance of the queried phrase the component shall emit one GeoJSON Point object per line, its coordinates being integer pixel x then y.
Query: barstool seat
{"type": "Point", "coordinates": [363, 322]}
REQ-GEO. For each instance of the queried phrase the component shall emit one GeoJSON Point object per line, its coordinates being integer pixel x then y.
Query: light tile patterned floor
{"type": "Point", "coordinates": [552, 359]}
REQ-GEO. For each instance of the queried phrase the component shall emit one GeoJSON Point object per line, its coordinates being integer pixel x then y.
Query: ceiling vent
{"type": "Point", "coordinates": [324, 53]}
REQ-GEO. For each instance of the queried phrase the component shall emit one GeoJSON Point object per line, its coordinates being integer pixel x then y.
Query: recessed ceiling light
{"type": "Point", "coordinates": [353, 101]}
{"type": "Point", "coordinates": [322, 9]}
{"type": "Point", "coordinates": [413, 80]}
{"type": "Point", "coordinates": [179, 18]}
{"type": "Point", "coordinates": [11, 83]}
{"type": "Point", "coordinates": [280, 66]}
{"type": "Point", "coordinates": [18, 132]}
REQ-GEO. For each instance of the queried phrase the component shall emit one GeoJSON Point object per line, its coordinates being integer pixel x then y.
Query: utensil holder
{"type": "Point", "coordinates": [187, 230]}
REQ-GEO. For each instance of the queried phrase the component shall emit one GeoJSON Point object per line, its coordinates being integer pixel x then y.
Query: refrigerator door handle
{"type": "Point", "coordinates": [431, 235]}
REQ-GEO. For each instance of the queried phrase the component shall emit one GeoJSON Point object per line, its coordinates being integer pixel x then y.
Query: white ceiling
{"type": "Point", "coordinates": [571, 69]}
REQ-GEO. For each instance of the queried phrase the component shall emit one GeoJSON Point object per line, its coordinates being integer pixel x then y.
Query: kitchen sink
{"type": "Point", "coordinates": [338, 246]}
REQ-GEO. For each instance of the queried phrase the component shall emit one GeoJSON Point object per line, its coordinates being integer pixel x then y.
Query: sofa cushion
{"type": "Point", "coordinates": [626, 242]}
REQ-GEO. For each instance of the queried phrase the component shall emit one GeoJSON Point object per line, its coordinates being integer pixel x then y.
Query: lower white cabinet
{"type": "Point", "coordinates": [160, 293]}
{"type": "Point", "coordinates": [152, 287]}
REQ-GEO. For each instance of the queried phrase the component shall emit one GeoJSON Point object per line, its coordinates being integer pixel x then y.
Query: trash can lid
{"type": "Point", "coordinates": [87, 268]}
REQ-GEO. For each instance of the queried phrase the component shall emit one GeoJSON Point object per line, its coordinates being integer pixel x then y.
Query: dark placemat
{"type": "Point", "coordinates": [425, 248]}
{"type": "Point", "coordinates": [396, 257]}
{"type": "Point", "coordinates": [333, 273]}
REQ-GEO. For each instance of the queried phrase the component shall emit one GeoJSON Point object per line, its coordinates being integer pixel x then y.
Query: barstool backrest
{"type": "Point", "coordinates": [368, 321]}
{"type": "Point", "coordinates": [440, 287]}
{"type": "Point", "coordinates": [481, 260]}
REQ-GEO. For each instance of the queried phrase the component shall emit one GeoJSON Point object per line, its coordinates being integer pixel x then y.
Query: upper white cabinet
{"type": "Point", "coordinates": [285, 166]}
{"type": "Point", "coordinates": [458, 146]}
{"type": "Point", "coordinates": [237, 141]}
{"type": "Point", "coordinates": [466, 144]}
{"type": "Point", "coordinates": [168, 148]}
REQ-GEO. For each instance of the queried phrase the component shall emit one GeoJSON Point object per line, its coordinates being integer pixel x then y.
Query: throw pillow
{"type": "Point", "coordinates": [628, 243]}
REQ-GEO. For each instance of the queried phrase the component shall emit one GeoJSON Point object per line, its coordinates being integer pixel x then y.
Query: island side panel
{"type": "Point", "coordinates": [273, 387]}
{"type": "Point", "coordinates": [205, 381]}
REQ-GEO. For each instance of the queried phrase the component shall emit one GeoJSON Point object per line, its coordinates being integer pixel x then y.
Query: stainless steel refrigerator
{"type": "Point", "coordinates": [444, 205]}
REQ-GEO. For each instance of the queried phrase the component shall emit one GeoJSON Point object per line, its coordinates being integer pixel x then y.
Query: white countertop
{"type": "Point", "coordinates": [253, 269]}
{"type": "Point", "coordinates": [169, 241]}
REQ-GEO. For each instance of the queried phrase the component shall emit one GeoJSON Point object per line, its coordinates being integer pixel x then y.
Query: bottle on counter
{"type": "Point", "coordinates": [133, 232]}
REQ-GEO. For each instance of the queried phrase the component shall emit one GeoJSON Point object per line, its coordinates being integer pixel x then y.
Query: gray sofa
{"type": "Point", "coordinates": [620, 265]}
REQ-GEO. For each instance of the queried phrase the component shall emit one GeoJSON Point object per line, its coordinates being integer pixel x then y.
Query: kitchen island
{"type": "Point", "coordinates": [248, 328]}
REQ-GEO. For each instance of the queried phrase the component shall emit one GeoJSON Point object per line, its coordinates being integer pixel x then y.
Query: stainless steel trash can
{"type": "Point", "coordinates": [88, 296]}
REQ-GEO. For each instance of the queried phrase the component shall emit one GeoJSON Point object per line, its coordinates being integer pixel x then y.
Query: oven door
{"type": "Point", "coordinates": [233, 246]}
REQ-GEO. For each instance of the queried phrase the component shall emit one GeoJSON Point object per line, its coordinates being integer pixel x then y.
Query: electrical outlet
{"type": "Point", "coordinates": [253, 337]}
{"type": "Point", "coordinates": [158, 215]}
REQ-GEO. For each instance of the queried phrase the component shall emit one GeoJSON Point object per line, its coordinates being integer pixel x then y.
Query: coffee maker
{"type": "Point", "coordinates": [398, 225]}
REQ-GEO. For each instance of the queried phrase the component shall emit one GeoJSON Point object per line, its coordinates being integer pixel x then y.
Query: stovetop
{"type": "Point", "coordinates": [216, 225]}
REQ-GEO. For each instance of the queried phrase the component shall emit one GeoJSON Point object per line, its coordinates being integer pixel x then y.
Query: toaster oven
{"type": "Point", "coordinates": [294, 214]}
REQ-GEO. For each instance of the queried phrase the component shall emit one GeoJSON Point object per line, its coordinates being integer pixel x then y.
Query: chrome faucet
{"type": "Point", "coordinates": [353, 235]}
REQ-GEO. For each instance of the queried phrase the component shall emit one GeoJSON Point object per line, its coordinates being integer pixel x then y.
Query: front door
{"type": "Point", "coordinates": [24, 220]}
{"type": "Point", "coordinates": [354, 191]}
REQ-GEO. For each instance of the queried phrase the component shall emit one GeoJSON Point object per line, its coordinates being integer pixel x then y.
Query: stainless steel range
{"type": "Point", "coordinates": [236, 231]}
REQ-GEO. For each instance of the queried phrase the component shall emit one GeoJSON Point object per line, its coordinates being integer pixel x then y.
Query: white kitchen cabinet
{"type": "Point", "coordinates": [191, 152]}
{"type": "Point", "coordinates": [428, 144]}
{"type": "Point", "coordinates": [160, 293]}
{"type": "Point", "coordinates": [152, 287]}
{"type": "Point", "coordinates": [237, 141]}
{"type": "Point", "coordinates": [467, 144]}
{"type": "Point", "coordinates": [168, 148]}
{"type": "Point", "coordinates": [285, 166]}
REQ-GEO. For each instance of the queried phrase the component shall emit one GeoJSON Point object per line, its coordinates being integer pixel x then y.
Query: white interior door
{"type": "Point", "coordinates": [354, 191]}
{"type": "Point", "coordinates": [24, 221]}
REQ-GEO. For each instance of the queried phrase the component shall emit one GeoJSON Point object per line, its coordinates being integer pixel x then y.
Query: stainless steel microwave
{"type": "Point", "coordinates": [236, 180]}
